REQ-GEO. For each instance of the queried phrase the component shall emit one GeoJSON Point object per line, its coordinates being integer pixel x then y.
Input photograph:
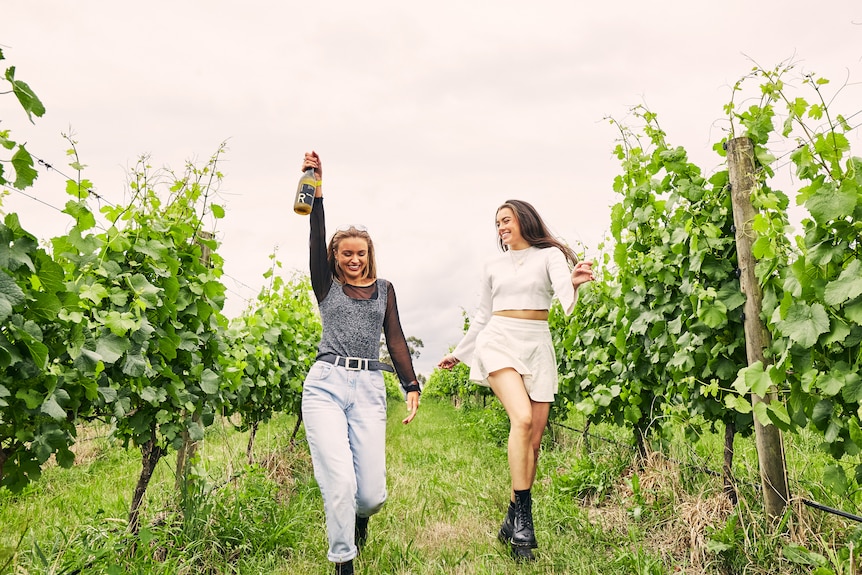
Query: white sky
{"type": "Point", "coordinates": [426, 116]}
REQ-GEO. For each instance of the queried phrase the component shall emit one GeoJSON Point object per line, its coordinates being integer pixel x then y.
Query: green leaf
{"type": "Point", "coordinates": [51, 408]}
{"type": "Point", "coordinates": [120, 322]}
{"type": "Point", "coordinates": [804, 323]}
{"type": "Point", "coordinates": [806, 163]}
{"type": "Point", "coordinates": [835, 478]}
{"type": "Point", "coordinates": [761, 412]}
{"type": "Point", "coordinates": [26, 96]}
{"type": "Point", "coordinates": [851, 390]}
{"type": "Point", "coordinates": [5, 308]}
{"type": "Point", "coordinates": [112, 347]}
{"type": "Point", "coordinates": [713, 314]}
{"type": "Point", "coordinates": [10, 290]}
{"type": "Point", "coordinates": [153, 395]}
{"type": "Point", "coordinates": [65, 458]}
{"type": "Point", "coordinates": [109, 395]}
{"type": "Point", "coordinates": [135, 365]}
{"type": "Point", "coordinates": [830, 202]}
{"type": "Point", "coordinates": [144, 290]}
{"type": "Point", "coordinates": [848, 285]}
{"type": "Point", "coordinates": [855, 431]}
{"type": "Point", "coordinates": [38, 350]}
{"type": "Point", "coordinates": [25, 174]}
{"type": "Point", "coordinates": [821, 413]}
{"type": "Point", "coordinates": [778, 415]}
{"type": "Point", "coordinates": [801, 556]}
{"type": "Point", "coordinates": [830, 385]}
{"type": "Point", "coordinates": [87, 361]}
{"type": "Point", "coordinates": [196, 431]}
{"type": "Point", "coordinates": [210, 382]}
{"type": "Point", "coordinates": [45, 306]}
{"type": "Point", "coordinates": [757, 380]}
{"type": "Point", "coordinates": [94, 292]}
{"type": "Point", "coordinates": [853, 312]}
{"type": "Point", "coordinates": [737, 403]}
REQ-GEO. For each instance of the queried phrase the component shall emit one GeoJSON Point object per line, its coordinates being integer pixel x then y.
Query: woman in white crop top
{"type": "Point", "coordinates": [508, 346]}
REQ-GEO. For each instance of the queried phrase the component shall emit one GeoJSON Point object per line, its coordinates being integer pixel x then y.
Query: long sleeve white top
{"type": "Point", "coordinates": [519, 280]}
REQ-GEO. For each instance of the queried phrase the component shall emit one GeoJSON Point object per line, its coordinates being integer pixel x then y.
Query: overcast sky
{"type": "Point", "coordinates": [426, 115]}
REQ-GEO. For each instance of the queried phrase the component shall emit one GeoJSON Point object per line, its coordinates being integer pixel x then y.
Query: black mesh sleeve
{"type": "Point", "coordinates": [396, 343]}
{"type": "Point", "coordinates": [321, 278]}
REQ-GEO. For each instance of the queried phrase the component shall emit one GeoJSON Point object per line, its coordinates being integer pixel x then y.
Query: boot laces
{"type": "Point", "coordinates": [525, 517]}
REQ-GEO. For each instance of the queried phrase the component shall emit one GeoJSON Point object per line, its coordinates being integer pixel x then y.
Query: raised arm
{"type": "Point", "coordinates": [321, 278]}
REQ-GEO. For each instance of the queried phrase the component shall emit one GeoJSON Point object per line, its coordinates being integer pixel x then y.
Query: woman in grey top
{"type": "Point", "coordinates": [344, 394]}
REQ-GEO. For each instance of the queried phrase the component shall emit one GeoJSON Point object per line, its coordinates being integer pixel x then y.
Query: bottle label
{"type": "Point", "coordinates": [305, 194]}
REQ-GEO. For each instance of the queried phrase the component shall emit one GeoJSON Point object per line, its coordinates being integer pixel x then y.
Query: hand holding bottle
{"type": "Point", "coordinates": [312, 160]}
{"type": "Point", "coordinates": [308, 183]}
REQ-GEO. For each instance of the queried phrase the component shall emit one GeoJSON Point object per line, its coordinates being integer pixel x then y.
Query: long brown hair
{"type": "Point", "coordinates": [342, 234]}
{"type": "Point", "coordinates": [534, 230]}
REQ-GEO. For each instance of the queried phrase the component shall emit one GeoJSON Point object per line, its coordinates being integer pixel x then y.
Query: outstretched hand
{"type": "Point", "coordinates": [448, 362]}
{"type": "Point", "coordinates": [582, 273]}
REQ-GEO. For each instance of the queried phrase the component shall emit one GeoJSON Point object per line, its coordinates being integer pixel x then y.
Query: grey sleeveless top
{"type": "Point", "coordinates": [352, 327]}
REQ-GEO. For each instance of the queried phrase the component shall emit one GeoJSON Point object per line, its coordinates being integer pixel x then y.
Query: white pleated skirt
{"type": "Point", "coordinates": [522, 344]}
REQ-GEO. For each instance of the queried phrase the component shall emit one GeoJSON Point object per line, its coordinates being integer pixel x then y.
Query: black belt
{"type": "Point", "coordinates": [355, 363]}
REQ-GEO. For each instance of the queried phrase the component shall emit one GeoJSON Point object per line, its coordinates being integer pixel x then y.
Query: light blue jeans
{"type": "Point", "coordinates": [344, 412]}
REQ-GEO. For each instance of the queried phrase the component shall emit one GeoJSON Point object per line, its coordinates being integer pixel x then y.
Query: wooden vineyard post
{"type": "Point", "coordinates": [770, 447]}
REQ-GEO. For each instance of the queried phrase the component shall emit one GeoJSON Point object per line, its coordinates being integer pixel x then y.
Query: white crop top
{"type": "Point", "coordinates": [519, 279]}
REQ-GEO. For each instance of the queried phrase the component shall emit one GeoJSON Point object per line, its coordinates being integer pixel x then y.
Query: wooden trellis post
{"type": "Point", "coordinates": [770, 447]}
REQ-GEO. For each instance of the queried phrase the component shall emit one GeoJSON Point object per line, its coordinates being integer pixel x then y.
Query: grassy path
{"type": "Point", "coordinates": [448, 491]}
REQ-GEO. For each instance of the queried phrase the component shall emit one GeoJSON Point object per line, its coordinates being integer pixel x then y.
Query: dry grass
{"type": "Point", "coordinates": [682, 538]}
{"type": "Point", "coordinates": [285, 468]}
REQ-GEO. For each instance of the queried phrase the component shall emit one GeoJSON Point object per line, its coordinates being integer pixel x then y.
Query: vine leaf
{"type": "Point", "coordinates": [805, 323]}
{"type": "Point", "coordinates": [111, 347]}
{"type": "Point", "coordinates": [25, 173]}
{"type": "Point", "coordinates": [855, 432]}
{"type": "Point", "coordinates": [847, 286]}
{"type": "Point", "coordinates": [28, 99]}
{"type": "Point", "coordinates": [53, 409]}
{"type": "Point", "coordinates": [852, 391]}
{"type": "Point", "coordinates": [831, 202]}
{"type": "Point", "coordinates": [9, 290]}
{"type": "Point", "coordinates": [853, 312]}
{"type": "Point", "coordinates": [835, 478]}
{"type": "Point", "coordinates": [210, 382]}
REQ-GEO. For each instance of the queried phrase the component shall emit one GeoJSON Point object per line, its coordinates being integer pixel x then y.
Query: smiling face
{"type": "Point", "coordinates": [351, 258]}
{"type": "Point", "coordinates": [509, 230]}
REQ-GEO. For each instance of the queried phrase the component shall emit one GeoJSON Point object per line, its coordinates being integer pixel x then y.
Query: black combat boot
{"type": "Point", "coordinates": [360, 533]}
{"type": "Point", "coordinates": [508, 526]}
{"type": "Point", "coordinates": [523, 533]}
{"type": "Point", "coordinates": [345, 568]}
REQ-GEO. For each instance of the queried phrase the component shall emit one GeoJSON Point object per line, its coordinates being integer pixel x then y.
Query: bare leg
{"type": "Point", "coordinates": [540, 421]}
{"type": "Point", "coordinates": [508, 386]}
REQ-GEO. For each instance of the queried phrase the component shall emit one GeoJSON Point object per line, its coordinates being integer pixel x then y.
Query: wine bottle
{"type": "Point", "coordinates": [305, 193]}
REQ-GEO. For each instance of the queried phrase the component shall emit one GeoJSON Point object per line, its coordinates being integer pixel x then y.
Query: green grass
{"type": "Point", "coordinates": [596, 509]}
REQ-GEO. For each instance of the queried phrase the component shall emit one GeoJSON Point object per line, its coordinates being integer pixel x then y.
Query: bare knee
{"type": "Point", "coordinates": [521, 422]}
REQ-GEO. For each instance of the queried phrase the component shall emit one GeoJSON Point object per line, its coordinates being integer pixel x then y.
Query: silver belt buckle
{"type": "Point", "coordinates": [355, 363]}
